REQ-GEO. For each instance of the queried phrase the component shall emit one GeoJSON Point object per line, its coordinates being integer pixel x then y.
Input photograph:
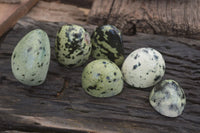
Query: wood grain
{"type": "Point", "coordinates": [58, 12]}
{"type": "Point", "coordinates": [167, 17]}
{"type": "Point", "coordinates": [10, 13]}
{"type": "Point", "coordinates": [60, 104]}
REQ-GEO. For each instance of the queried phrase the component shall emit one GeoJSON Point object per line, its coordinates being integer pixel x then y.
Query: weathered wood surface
{"type": "Point", "coordinates": [61, 105]}
{"type": "Point", "coordinates": [58, 12]}
{"type": "Point", "coordinates": [10, 13]}
{"type": "Point", "coordinates": [171, 17]}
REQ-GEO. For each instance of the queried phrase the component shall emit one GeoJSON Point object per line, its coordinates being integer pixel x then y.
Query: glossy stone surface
{"type": "Point", "coordinates": [107, 44]}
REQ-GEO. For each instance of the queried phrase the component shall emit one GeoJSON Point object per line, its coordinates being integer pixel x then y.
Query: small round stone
{"type": "Point", "coordinates": [72, 46]}
{"type": "Point", "coordinates": [102, 78]}
{"type": "Point", "coordinates": [107, 44]}
{"type": "Point", "coordinates": [168, 98]}
{"type": "Point", "coordinates": [143, 68]}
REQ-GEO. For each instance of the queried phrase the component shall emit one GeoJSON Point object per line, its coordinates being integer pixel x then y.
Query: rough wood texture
{"type": "Point", "coordinates": [10, 13]}
{"type": "Point", "coordinates": [10, 1]}
{"type": "Point", "coordinates": [61, 105]}
{"type": "Point", "coordinates": [81, 3]}
{"type": "Point", "coordinates": [171, 17]}
{"type": "Point", "coordinates": [58, 12]}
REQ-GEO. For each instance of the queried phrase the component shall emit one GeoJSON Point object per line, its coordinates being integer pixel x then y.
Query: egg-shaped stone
{"type": "Point", "coordinates": [31, 58]}
{"type": "Point", "coordinates": [102, 78]}
{"type": "Point", "coordinates": [107, 44]}
{"type": "Point", "coordinates": [143, 68]}
{"type": "Point", "coordinates": [72, 46]}
{"type": "Point", "coordinates": [168, 98]}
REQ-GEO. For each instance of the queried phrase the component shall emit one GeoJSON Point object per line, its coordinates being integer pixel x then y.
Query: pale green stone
{"type": "Point", "coordinates": [31, 57]}
{"type": "Point", "coordinates": [102, 78]}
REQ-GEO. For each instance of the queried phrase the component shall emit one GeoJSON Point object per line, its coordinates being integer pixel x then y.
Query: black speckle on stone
{"type": "Point", "coordinates": [175, 86]}
{"type": "Point", "coordinates": [32, 80]}
{"type": "Point", "coordinates": [92, 87]}
{"type": "Point", "coordinates": [145, 51]}
{"type": "Point", "coordinates": [98, 54]}
{"type": "Point", "coordinates": [33, 74]}
{"type": "Point", "coordinates": [45, 55]}
{"type": "Point", "coordinates": [136, 56]}
{"type": "Point", "coordinates": [173, 107]}
{"type": "Point", "coordinates": [39, 81]}
{"type": "Point", "coordinates": [115, 73]}
{"type": "Point", "coordinates": [154, 100]}
{"type": "Point", "coordinates": [156, 57]}
{"type": "Point", "coordinates": [111, 89]}
{"type": "Point", "coordinates": [39, 41]}
{"type": "Point", "coordinates": [98, 74]}
{"type": "Point", "coordinates": [167, 95]}
{"type": "Point", "coordinates": [108, 78]}
{"type": "Point", "coordinates": [29, 49]}
{"type": "Point", "coordinates": [90, 72]}
{"type": "Point", "coordinates": [72, 57]}
{"type": "Point", "coordinates": [103, 92]}
{"type": "Point", "coordinates": [134, 67]}
{"type": "Point", "coordinates": [182, 104]}
{"type": "Point", "coordinates": [139, 64]}
{"type": "Point", "coordinates": [14, 55]}
{"type": "Point", "coordinates": [163, 67]}
{"type": "Point", "coordinates": [109, 81]}
{"type": "Point", "coordinates": [114, 80]}
{"type": "Point", "coordinates": [147, 73]}
{"type": "Point", "coordinates": [40, 48]}
{"type": "Point", "coordinates": [23, 75]}
{"type": "Point", "coordinates": [104, 62]}
{"type": "Point", "coordinates": [183, 96]}
{"type": "Point", "coordinates": [17, 68]}
{"type": "Point", "coordinates": [101, 81]}
{"type": "Point", "coordinates": [38, 53]}
{"type": "Point", "coordinates": [157, 78]}
{"type": "Point", "coordinates": [80, 53]}
{"type": "Point", "coordinates": [41, 64]}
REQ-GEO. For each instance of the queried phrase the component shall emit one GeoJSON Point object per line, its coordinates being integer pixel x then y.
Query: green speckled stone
{"type": "Point", "coordinates": [107, 44]}
{"type": "Point", "coordinates": [31, 57]}
{"type": "Point", "coordinates": [72, 46]}
{"type": "Point", "coordinates": [102, 78]}
{"type": "Point", "coordinates": [168, 98]}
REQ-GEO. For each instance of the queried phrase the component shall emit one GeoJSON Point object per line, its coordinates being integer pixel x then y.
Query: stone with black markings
{"type": "Point", "coordinates": [72, 46]}
{"type": "Point", "coordinates": [143, 68]}
{"type": "Point", "coordinates": [168, 98]}
{"type": "Point", "coordinates": [102, 78]}
{"type": "Point", "coordinates": [107, 44]}
{"type": "Point", "coordinates": [31, 57]}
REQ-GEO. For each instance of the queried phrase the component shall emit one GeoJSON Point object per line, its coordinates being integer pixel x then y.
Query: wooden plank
{"type": "Point", "coordinates": [58, 12]}
{"type": "Point", "coordinates": [167, 17]}
{"type": "Point", "coordinates": [10, 13]}
{"type": "Point", "coordinates": [41, 109]}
